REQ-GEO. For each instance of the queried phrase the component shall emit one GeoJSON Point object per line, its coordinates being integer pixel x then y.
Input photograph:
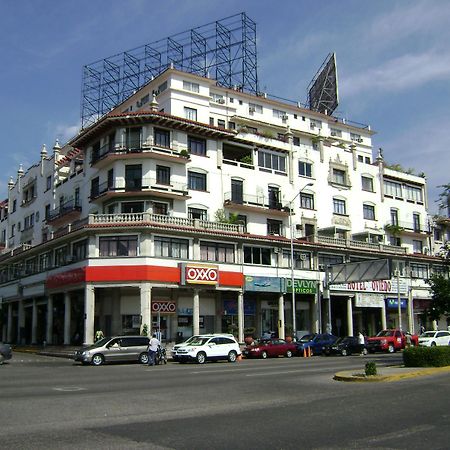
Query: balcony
{"type": "Point", "coordinates": [254, 203]}
{"type": "Point", "coordinates": [112, 151]}
{"type": "Point", "coordinates": [406, 228]}
{"type": "Point", "coordinates": [66, 212]}
{"type": "Point", "coordinates": [140, 188]}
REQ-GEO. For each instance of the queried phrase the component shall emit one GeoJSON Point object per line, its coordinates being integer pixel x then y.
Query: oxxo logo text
{"type": "Point", "coordinates": [165, 307]}
{"type": "Point", "coordinates": [202, 274]}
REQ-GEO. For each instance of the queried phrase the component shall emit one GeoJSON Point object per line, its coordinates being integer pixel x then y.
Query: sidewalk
{"type": "Point", "coordinates": [63, 351]}
{"type": "Point", "coordinates": [388, 374]}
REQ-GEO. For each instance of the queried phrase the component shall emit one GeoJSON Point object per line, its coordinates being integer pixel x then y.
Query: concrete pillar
{"type": "Point", "coordinates": [20, 322]}
{"type": "Point", "coordinates": [219, 313]}
{"type": "Point", "coordinates": [410, 311]}
{"type": "Point", "coordinates": [196, 312]}
{"type": "Point", "coordinates": [89, 313]}
{"type": "Point", "coordinates": [435, 325]}
{"type": "Point", "coordinates": [34, 323]}
{"type": "Point", "coordinates": [383, 316]}
{"type": "Point", "coordinates": [116, 321]}
{"type": "Point", "coordinates": [49, 328]}
{"type": "Point", "coordinates": [146, 298]}
{"type": "Point", "coordinates": [240, 316]}
{"type": "Point", "coordinates": [10, 319]}
{"type": "Point", "coordinates": [67, 317]}
{"type": "Point", "coordinates": [281, 324]}
{"type": "Point", "coordinates": [349, 317]}
{"type": "Point", "coordinates": [315, 314]}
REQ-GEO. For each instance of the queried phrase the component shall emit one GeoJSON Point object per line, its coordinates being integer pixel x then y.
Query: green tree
{"type": "Point", "coordinates": [440, 288]}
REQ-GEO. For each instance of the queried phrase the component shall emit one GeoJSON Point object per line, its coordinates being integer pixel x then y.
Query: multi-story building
{"type": "Point", "coordinates": [194, 208]}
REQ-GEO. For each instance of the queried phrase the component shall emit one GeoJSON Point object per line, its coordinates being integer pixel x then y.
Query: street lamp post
{"type": "Point", "coordinates": [291, 227]}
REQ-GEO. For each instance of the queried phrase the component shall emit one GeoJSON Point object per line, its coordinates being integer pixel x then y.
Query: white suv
{"type": "Point", "coordinates": [174, 349]}
{"type": "Point", "coordinates": [208, 347]}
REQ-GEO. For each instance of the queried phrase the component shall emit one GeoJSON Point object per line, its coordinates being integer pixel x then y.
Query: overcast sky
{"type": "Point", "coordinates": [393, 62]}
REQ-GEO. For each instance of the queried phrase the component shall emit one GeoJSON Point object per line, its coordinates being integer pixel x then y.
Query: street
{"type": "Point", "coordinates": [49, 402]}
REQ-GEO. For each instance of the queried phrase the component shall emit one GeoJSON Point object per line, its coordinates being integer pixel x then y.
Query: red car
{"type": "Point", "coordinates": [266, 348]}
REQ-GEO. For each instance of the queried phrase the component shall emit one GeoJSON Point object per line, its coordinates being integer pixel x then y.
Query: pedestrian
{"type": "Point", "coordinates": [152, 349]}
{"type": "Point", "coordinates": [422, 329]}
{"type": "Point", "coordinates": [362, 343]}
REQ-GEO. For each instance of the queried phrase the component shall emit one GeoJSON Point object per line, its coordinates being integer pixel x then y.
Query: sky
{"type": "Point", "coordinates": [393, 62]}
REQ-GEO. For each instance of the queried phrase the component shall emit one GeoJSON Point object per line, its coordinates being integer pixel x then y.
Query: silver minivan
{"type": "Point", "coordinates": [114, 349]}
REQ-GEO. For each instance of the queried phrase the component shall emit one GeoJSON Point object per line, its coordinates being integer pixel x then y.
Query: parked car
{"type": "Point", "coordinates": [208, 348]}
{"type": "Point", "coordinates": [5, 352]}
{"type": "Point", "coordinates": [114, 349]}
{"type": "Point", "coordinates": [344, 346]}
{"type": "Point", "coordinates": [173, 351]}
{"type": "Point", "coordinates": [390, 341]}
{"type": "Point", "coordinates": [433, 338]}
{"type": "Point", "coordinates": [316, 342]}
{"type": "Point", "coordinates": [266, 348]}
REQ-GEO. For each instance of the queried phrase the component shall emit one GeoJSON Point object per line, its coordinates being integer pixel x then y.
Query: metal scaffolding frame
{"type": "Point", "coordinates": [224, 50]}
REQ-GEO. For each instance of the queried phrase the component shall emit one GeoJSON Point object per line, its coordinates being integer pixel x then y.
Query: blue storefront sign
{"type": "Point", "coordinates": [230, 307]}
{"type": "Point", "coordinates": [392, 303]}
{"type": "Point", "coordinates": [262, 284]}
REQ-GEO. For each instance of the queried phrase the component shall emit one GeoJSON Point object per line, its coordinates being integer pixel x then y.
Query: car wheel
{"type": "Point", "coordinates": [264, 355]}
{"type": "Point", "coordinates": [391, 348]}
{"type": "Point", "coordinates": [98, 359]}
{"type": "Point", "coordinates": [344, 352]}
{"type": "Point", "coordinates": [201, 357]}
{"type": "Point", "coordinates": [143, 358]}
{"type": "Point", "coordinates": [289, 354]}
{"type": "Point", "coordinates": [232, 356]}
{"type": "Point", "coordinates": [2, 358]}
{"type": "Point", "coordinates": [433, 344]}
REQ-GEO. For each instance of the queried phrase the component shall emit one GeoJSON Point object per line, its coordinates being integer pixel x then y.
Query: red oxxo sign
{"type": "Point", "coordinates": [199, 274]}
{"type": "Point", "coordinates": [164, 306]}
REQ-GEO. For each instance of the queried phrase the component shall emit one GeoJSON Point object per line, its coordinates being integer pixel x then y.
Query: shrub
{"type": "Point", "coordinates": [371, 368]}
{"type": "Point", "coordinates": [426, 356]}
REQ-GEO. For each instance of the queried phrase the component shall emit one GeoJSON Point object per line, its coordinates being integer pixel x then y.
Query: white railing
{"type": "Point", "coordinates": [347, 243]}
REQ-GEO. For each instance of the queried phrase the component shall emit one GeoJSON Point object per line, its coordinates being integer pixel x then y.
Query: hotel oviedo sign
{"type": "Point", "coordinates": [199, 274]}
{"type": "Point", "coordinates": [301, 286]}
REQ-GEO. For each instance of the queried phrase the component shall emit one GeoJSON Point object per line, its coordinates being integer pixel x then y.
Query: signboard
{"type": "Point", "coordinates": [374, 269]}
{"type": "Point", "coordinates": [164, 307]}
{"type": "Point", "coordinates": [392, 303]}
{"type": "Point", "coordinates": [369, 300]}
{"type": "Point", "coordinates": [262, 284]}
{"type": "Point", "coordinates": [376, 286]}
{"type": "Point", "coordinates": [300, 286]}
{"type": "Point", "coordinates": [230, 307]}
{"type": "Point", "coordinates": [199, 274]}
{"type": "Point", "coordinates": [64, 278]}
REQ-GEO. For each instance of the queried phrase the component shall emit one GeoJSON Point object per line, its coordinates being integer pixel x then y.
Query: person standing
{"type": "Point", "coordinates": [152, 349]}
{"type": "Point", "coordinates": [362, 343]}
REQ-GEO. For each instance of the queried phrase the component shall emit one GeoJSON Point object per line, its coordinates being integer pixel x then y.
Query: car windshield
{"type": "Point", "coordinates": [199, 341]}
{"type": "Point", "coordinates": [101, 342]}
{"type": "Point", "coordinates": [342, 340]}
{"type": "Point", "coordinates": [385, 333]}
{"type": "Point", "coordinates": [307, 338]}
{"type": "Point", "coordinates": [428, 334]}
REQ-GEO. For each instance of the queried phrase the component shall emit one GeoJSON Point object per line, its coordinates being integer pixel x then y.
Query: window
{"type": "Point", "coordinates": [162, 175]}
{"type": "Point", "coordinates": [214, 251]}
{"type": "Point", "coordinates": [257, 255]}
{"type": "Point", "coordinates": [328, 260]}
{"type": "Point", "coordinates": [367, 184]}
{"type": "Point", "coordinates": [95, 185]}
{"type": "Point", "coordinates": [221, 123]}
{"type": "Point", "coordinates": [355, 137]}
{"type": "Point", "coordinates": [211, 121]}
{"type": "Point", "coordinates": [360, 158]}
{"type": "Point", "coordinates": [394, 240]}
{"type": "Point", "coordinates": [416, 222]}
{"type": "Point", "coordinates": [274, 197]}
{"type": "Point", "coordinates": [189, 86]}
{"type": "Point", "coordinates": [417, 246]}
{"type": "Point", "coordinates": [49, 182]}
{"type": "Point", "coordinates": [231, 125]}
{"type": "Point", "coordinates": [171, 247]}
{"type": "Point", "coordinates": [237, 191]}
{"type": "Point", "coordinates": [306, 201]}
{"type": "Point", "coordinates": [160, 208]}
{"type": "Point", "coordinates": [302, 260]}
{"type": "Point", "coordinates": [394, 216]}
{"type": "Point", "coordinates": [133, 177]}
{"type": "Point", "coordinates": [218, 98]}
{"type": "Point", "coordinates": [47, 212]}
{"type": "Point", "coordinates": [14, 206]}
{"type": "Point", "coordinates": [13, 229]}
{"type": "Point", "coordinates": [133, 138]}
{"type": "Point", "coordinates": [392, 189]}
{"type": "Point", "coordinates": [118, 245]}
{"type": "Point", "coordinates": [413, 194]}
{"type": "Point", "coordinates": [197, 146]}
{"type": "Point", "coordinates": [419, 271]}
{"type": "Point", "coordinates": [314, 123]}
{"type": "Point", "coordinates": [335, 132]}
{"type": "Point", "coordinates": [60, 256]}
{"type": "Point", "coordinates": [197, 213]}
{"type": "Point", "coordinates": [296, 141]}
{"type": "Point", "coordinates": [77, 197]}
{"type": "Point", "coordinates": [274, 227]}
{"type": "Point", "coordinates": [305, 169]}
{"type": "Point", "coordinates": [196, 181]}
{"type": "Point", "coordinates": [272, 161]}
{"type": "Point", "coordinates": [110, 179]}
{"type": "Point", "coordinates": [369, 212]}
{"type": "Point", "coordinates": [80, 250]}
{"type": "Point", "coordinates": [339, 206]}
{"type": "Point", "coordinates": [45, 261]}
{"type": "Point", "coordinates": [338, 176]}
{"type": "Point", "coordinates": [253, 107]}
{"type": "Point", "coordinates": [190, 113]}
{"type": "Point", "coordinates": [279, 114]}
{"type": "Point", "coordinates": [162, 137]}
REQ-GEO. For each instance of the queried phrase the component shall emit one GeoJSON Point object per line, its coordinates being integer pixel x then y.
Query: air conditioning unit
{"type": "Point", "coordinates": [251, 110]}
{"type": "Point", "coordinates": [322, 267]}
{"type": "Point", "coordinates": [359, 140]}
{"type": "Point", "coordinates": [302, 256]}
{"type": "Point", "coordinates": [221, 101]}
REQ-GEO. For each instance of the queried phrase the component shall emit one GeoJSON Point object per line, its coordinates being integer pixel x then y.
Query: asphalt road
{"type": "Point", "coordinates": [52, 403]}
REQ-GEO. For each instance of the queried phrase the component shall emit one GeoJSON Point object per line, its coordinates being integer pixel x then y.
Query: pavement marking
{"type": "Point", "coordinates": [69, 389]}
{"type": "Point", "coordinates": [281, 372]}
{"type": "Point", "coordinates": [398, 434]}
{"type": "Point", "coordinates": [218, 370]}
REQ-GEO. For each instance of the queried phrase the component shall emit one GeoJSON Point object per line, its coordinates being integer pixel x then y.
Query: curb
{"type": "Point", "coordinates": [348, 376]}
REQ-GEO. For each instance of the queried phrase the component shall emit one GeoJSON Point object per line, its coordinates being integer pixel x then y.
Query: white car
{"type": "Point", "coordinates": [174, 349]}
{"type": "Point", "coordinates": [432, 338]}
{"type": "Point", "coordinates": [208, 348]}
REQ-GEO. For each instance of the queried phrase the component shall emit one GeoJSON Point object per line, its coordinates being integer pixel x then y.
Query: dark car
{"type": "Point", "coordinates": [316, 342]}
{"type": "Point", "coordinates": [345, 346]}
{"type": "Point", "coordinates": [266, 348]}
{"type": "Point", "coordinates": [5, 352]}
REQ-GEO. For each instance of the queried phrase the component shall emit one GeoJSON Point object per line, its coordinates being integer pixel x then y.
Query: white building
{"type": "Point", "coordinates": [173, 211]}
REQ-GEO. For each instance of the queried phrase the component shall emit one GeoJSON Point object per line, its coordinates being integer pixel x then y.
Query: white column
{"type": "Point", "coordinates": [435, 325]}
{"type": "Point", "coordinates": [20, 322]}
{"type": "Point", "coordinates": [281, 324]}
{"type": "Point", "coordinates": [34, 323]}
{"type": "Point", "coordinates": [49, 328]}
{"type": "Point", "coordinates": [196, 312]}
{"type": "Point", "coordinates": [89, 313]}
{"type": "Point", "coordinates": [383, 316]}
{"type": "Point", "coordinates": [146, 297]}
{"type": "Point", "coordinates": [241, 316]}
{"type": "Point", "coordinates": [349, 317]}
{"type": "Point", "coordinates": [67, 317]}
{"type": "Point", "coordinates": [315, 313]}
{"type": "Point", "coordinates": [410, 312]}
{"type": "Point", "coordinates": [10, 319]}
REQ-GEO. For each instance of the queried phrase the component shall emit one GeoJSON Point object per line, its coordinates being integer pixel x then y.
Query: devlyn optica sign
{"type": "Point", "coordinates": [276, 284]}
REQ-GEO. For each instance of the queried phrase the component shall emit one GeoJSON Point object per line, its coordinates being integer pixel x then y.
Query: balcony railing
{"type": "Point", "coordinates": [66, 208]}
{"type": "Point", "coordinates": [348, 243]}
{"type": "Point", "coordinates": [400, 227]}
{"type": "Point", "coordinates": [259, 201]}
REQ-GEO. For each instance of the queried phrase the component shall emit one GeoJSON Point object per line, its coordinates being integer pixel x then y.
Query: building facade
{"type": "Point", "coordinates": [195, 208]}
